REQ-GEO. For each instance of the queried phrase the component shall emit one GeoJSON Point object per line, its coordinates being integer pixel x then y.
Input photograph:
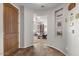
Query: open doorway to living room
{"type": "Point", "coordinates": [40, 32]}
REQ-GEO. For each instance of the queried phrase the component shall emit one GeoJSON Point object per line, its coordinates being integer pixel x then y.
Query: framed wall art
{"type": "Point", "coordinates": [59, 17]}
{"type": "Point", "coordinates": [59, 24]}
{"type": "Point", "coordinates": [77, 16]}
{"type": "Point", "coordinates": [59, 33]}
{"type": "Point", "coordinates": [71, 6]}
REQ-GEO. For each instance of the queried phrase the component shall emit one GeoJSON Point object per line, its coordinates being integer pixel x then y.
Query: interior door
{"type": "Point", "coordinates": [10, 29]}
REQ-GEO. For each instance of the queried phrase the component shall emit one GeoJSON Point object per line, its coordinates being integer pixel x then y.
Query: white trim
{"type": "Point", "coordinates": [18, 22]}
{"type": "Point", "coordinates": [1, 53]}
{"type": "Point", "coordinates": [1, 31]}
{"type": "Point", "coordinates": [28, 46]}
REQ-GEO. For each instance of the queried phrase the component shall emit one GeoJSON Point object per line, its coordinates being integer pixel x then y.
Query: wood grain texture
{"type": "Point", "coordinates": [38, 49]}
{"type": "Point", "coordinates": [10, 28]}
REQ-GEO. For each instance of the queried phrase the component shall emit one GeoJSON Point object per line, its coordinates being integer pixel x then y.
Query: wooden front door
{"type": "Point", "coordinates": [10, 29]}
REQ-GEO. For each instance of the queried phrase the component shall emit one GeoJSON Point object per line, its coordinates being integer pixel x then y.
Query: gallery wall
{"type": "Point", "coordinates": [53, 40]}
{"type": "Point", "coordinates": [69, 42]}
{"type": "Point", "coordinates": [73, 31]}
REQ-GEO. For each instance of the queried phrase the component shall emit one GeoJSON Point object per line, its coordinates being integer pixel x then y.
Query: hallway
{"type": "Point", "coordinates": [55, 25]}
{"type": "Point", "coordinates": [39, 49]}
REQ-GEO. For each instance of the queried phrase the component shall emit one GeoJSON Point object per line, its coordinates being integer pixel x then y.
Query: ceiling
{"type": "Point", "coordinates": [37, 6]}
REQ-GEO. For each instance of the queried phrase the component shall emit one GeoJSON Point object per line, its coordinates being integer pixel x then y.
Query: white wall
{"type": "Point", "coordinates": [28, 27]}
{"type": "Point", "coordinates": [69, 44]}
{"type": "Point", "coordinates": [51, 30]}
{"type": "Point", "coordinates": [53, 41]}
{"type": "Point", "coordinates": [21, 26]}
{"type": "Point", "coordinates": [1, 29]}
{"type": "Point", "coordinates": [25, 26]}
{"type": "Point", "coordinates": [73, 39]}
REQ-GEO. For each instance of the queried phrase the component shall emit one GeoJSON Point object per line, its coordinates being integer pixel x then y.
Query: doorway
{"type": "Point", "coordinates": [40, 31]}
{"type": "Point", "coordinates": [10, 22]}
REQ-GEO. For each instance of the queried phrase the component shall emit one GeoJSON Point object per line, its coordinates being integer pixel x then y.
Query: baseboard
{"type": "Point", "coordinates": [57, 49]}
{"type": "Point", "coordinates": [1, 53]}
{"type": "Point", "coordinates": [29, 46]}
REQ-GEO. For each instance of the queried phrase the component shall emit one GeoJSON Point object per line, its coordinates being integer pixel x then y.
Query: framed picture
{"type": "Point", "coordinates": [59, 17]}
{"type": "Point", "coordinates": [71, 18]}
{"type": "Point", "coordinates": [66, 20]}
{"type": "Point", "coordinates": [77, 16]}
{"type": "Point", "coordinates": [73, 31]}
{"type": "Point", "coordinates": [58, 24]}
{"type": "Point", "coordinates": [59, 33]}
